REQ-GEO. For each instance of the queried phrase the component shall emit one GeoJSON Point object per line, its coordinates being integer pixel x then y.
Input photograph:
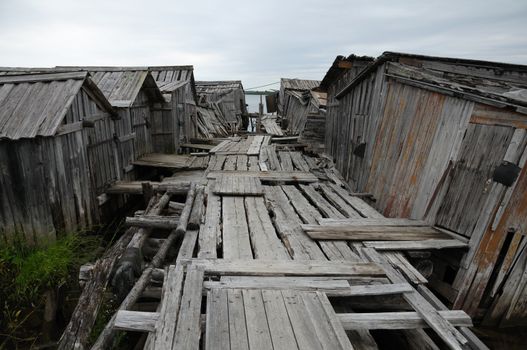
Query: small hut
{"type": "Point", "coordinates": [227, 98]}
{"type": "Point", "coordinates": [133, 92]}
{"type": "Point", "coordinates": [174, 120]}
{"type": "Point", "coordinates": [57, 154]}
{"type": "Point", "coordinates": [444, 140]}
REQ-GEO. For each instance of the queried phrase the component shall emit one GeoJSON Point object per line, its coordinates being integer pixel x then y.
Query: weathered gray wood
{"type": "Point", "coordinates": [185, 213]}
{"type": "Point", "coordinates": [269, 176]}
{"type": "Point", "coordinates": [287, 268]}
{"type": "Point", "coordinates": [301, 321]}
{"type": "Point", "coordinates": [136, 321]}
{"type": "Point", "coordinates": [161, 222]}
{"type": "Point", "coordinates": [272, 283]}
{"type": "Point", "coordinates": [256, 320]}
{"type": "Point", "coordinates": [237, 326]}
{"type": "Point", "coordinates": [399, 320]}
{"type": "Point", "coordinates": [238, 186]}
{"type": "Point", "coordinates": [236, 243]}
{"type": "Point", "coordinates": [282, 334]}
{"type": "Point", "coordinates": [171, 300]}
{"type": "Point", "coordinates": [264, 240]}
{"type": "Point", "coordinates": [217, 323]}
{"type": "Point", "coordinates": [196, 213]}
{"type": "Point", "coordinates": [334, 321]}
{"type": "Point", "coordinates": [210, 230]}
{"type": "Point", "coordinates": [415, 245]}
{"type": "Point", "coordinates": [188, 328]}
{"type": "Point", "coordinates": [288, 223]}
{"type": "Point", "coordinates": [452, 337]}
{"type": "Point", "coordinates": [371, 233]}
{"type": "Point", "coordinates": [382, 221]}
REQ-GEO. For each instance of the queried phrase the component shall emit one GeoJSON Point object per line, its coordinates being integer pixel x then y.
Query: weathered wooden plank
{"type": "Point", "coordinates": [287, 268]}
{"type": "Point", "coordinates": [136, 321]}
{"type": "Point", "coordinates": [217, 322]}
{"type": "Point", "coordinates": [321, 203]}
{"type": "Point", "coordinates": [399, 320]}
{"type": "Point", "coordinates": [371, 233]}
{"type": "Point", "coordinates": [301, 321]}
{"type": "Point", "coordinates": [170, 304]}
{"type": "Point", "coordinates": [237, 326]}
{"type": "Point", "coordinates": [452, 337]}
{"type": "Point", "coordinates": [335, 323]}
{"type": "Point", "coordinates": [268, 176]}
{"type": "Point", "coordinates": [254, 148]}
{"type": "Point", "coordinates": [264, 240]}
{"type": "Point", "coordinates": [272, 283]}
{"type": "Point", "coordinates": [188, 328]}
{"type": "Point", "coordinates": [210, 230]}
{"type": "Point", "coordinates": [256, 320]}
{"type": "Point", "coordinates": [415, 245]}
{"type": "Point", "coordinates": [338, 202]}
{"type": "Point", "coordinates": [238, 186]}
{"type": "Point", "coordinates": [236, 242]}
{"type": "Point", "coordinates": [373, 222]}
{"type": "Point", "coordinates": [161, 222]}
{"type": "Point", "coordinates": [280, 328]}
{"type": "Point", "coordinates": [288, 223]}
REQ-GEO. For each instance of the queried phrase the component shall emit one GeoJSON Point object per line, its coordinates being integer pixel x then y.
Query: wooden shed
{"type": "Point", "coordinates": [302, 106]}
{"type": "Point", "coordinates": [56, 154]}
{"type": "Point", "coordinates": [444, 140]}
{"type": "Point", "coordinates": [133, 92]}
{"type": "Point", "coordinates": [174, 120]}
{"type": "Point", "coordinates": [227, 97]}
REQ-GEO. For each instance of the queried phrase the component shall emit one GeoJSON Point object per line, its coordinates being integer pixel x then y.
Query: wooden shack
{"type": "Point", "coordinates": [174, 121]}
{"type": "Point", "coordinates": [302, 107]}
{"type": "Point", "coordinates": [443, 139]}
{"type": "Point", "coordinates": [57, 154]}
{"type": "Point", "coordinates": [133, 92]}
{"type": "Point", "coordinates": [227, 97]}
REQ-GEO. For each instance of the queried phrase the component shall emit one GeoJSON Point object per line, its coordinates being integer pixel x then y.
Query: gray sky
{"type": "Point", "coordinates": [255, 41]}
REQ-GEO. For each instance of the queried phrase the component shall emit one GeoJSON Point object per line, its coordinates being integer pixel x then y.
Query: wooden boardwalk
{"type": "Point", "coordinates": [279, 262]}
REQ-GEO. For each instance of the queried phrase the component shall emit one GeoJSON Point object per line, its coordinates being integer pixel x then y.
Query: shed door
{"type": "Point", "coordinates": [482, 150]}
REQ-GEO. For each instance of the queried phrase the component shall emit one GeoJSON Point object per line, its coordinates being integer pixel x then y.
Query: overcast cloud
{"type": "Point", "coordinates": [255, 41]}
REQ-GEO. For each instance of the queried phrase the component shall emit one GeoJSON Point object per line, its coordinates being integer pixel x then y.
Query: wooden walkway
{"type": "Point", "coordinates": [281, 262]}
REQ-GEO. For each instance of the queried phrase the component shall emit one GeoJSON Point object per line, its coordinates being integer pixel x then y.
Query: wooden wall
{"type": "Point", "coordinates": [431, 156]}
{"type": "Point", "coordinates": [50, 185]}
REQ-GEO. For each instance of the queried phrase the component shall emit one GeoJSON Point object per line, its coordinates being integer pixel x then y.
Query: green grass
{"type": "Point", "coordinates": [26, 272]}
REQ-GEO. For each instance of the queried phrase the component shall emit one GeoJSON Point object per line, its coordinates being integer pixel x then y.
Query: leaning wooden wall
{"type": "Point", "coordinates": [431, 156]}
{"type": "Point", "coordinates": [353, 120]}
{"type": "Point", "coordinates": [294, 113]}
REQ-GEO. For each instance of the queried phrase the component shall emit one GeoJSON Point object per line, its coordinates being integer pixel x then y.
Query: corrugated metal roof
{"type": "Point", "coordinates": [35, 104]}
